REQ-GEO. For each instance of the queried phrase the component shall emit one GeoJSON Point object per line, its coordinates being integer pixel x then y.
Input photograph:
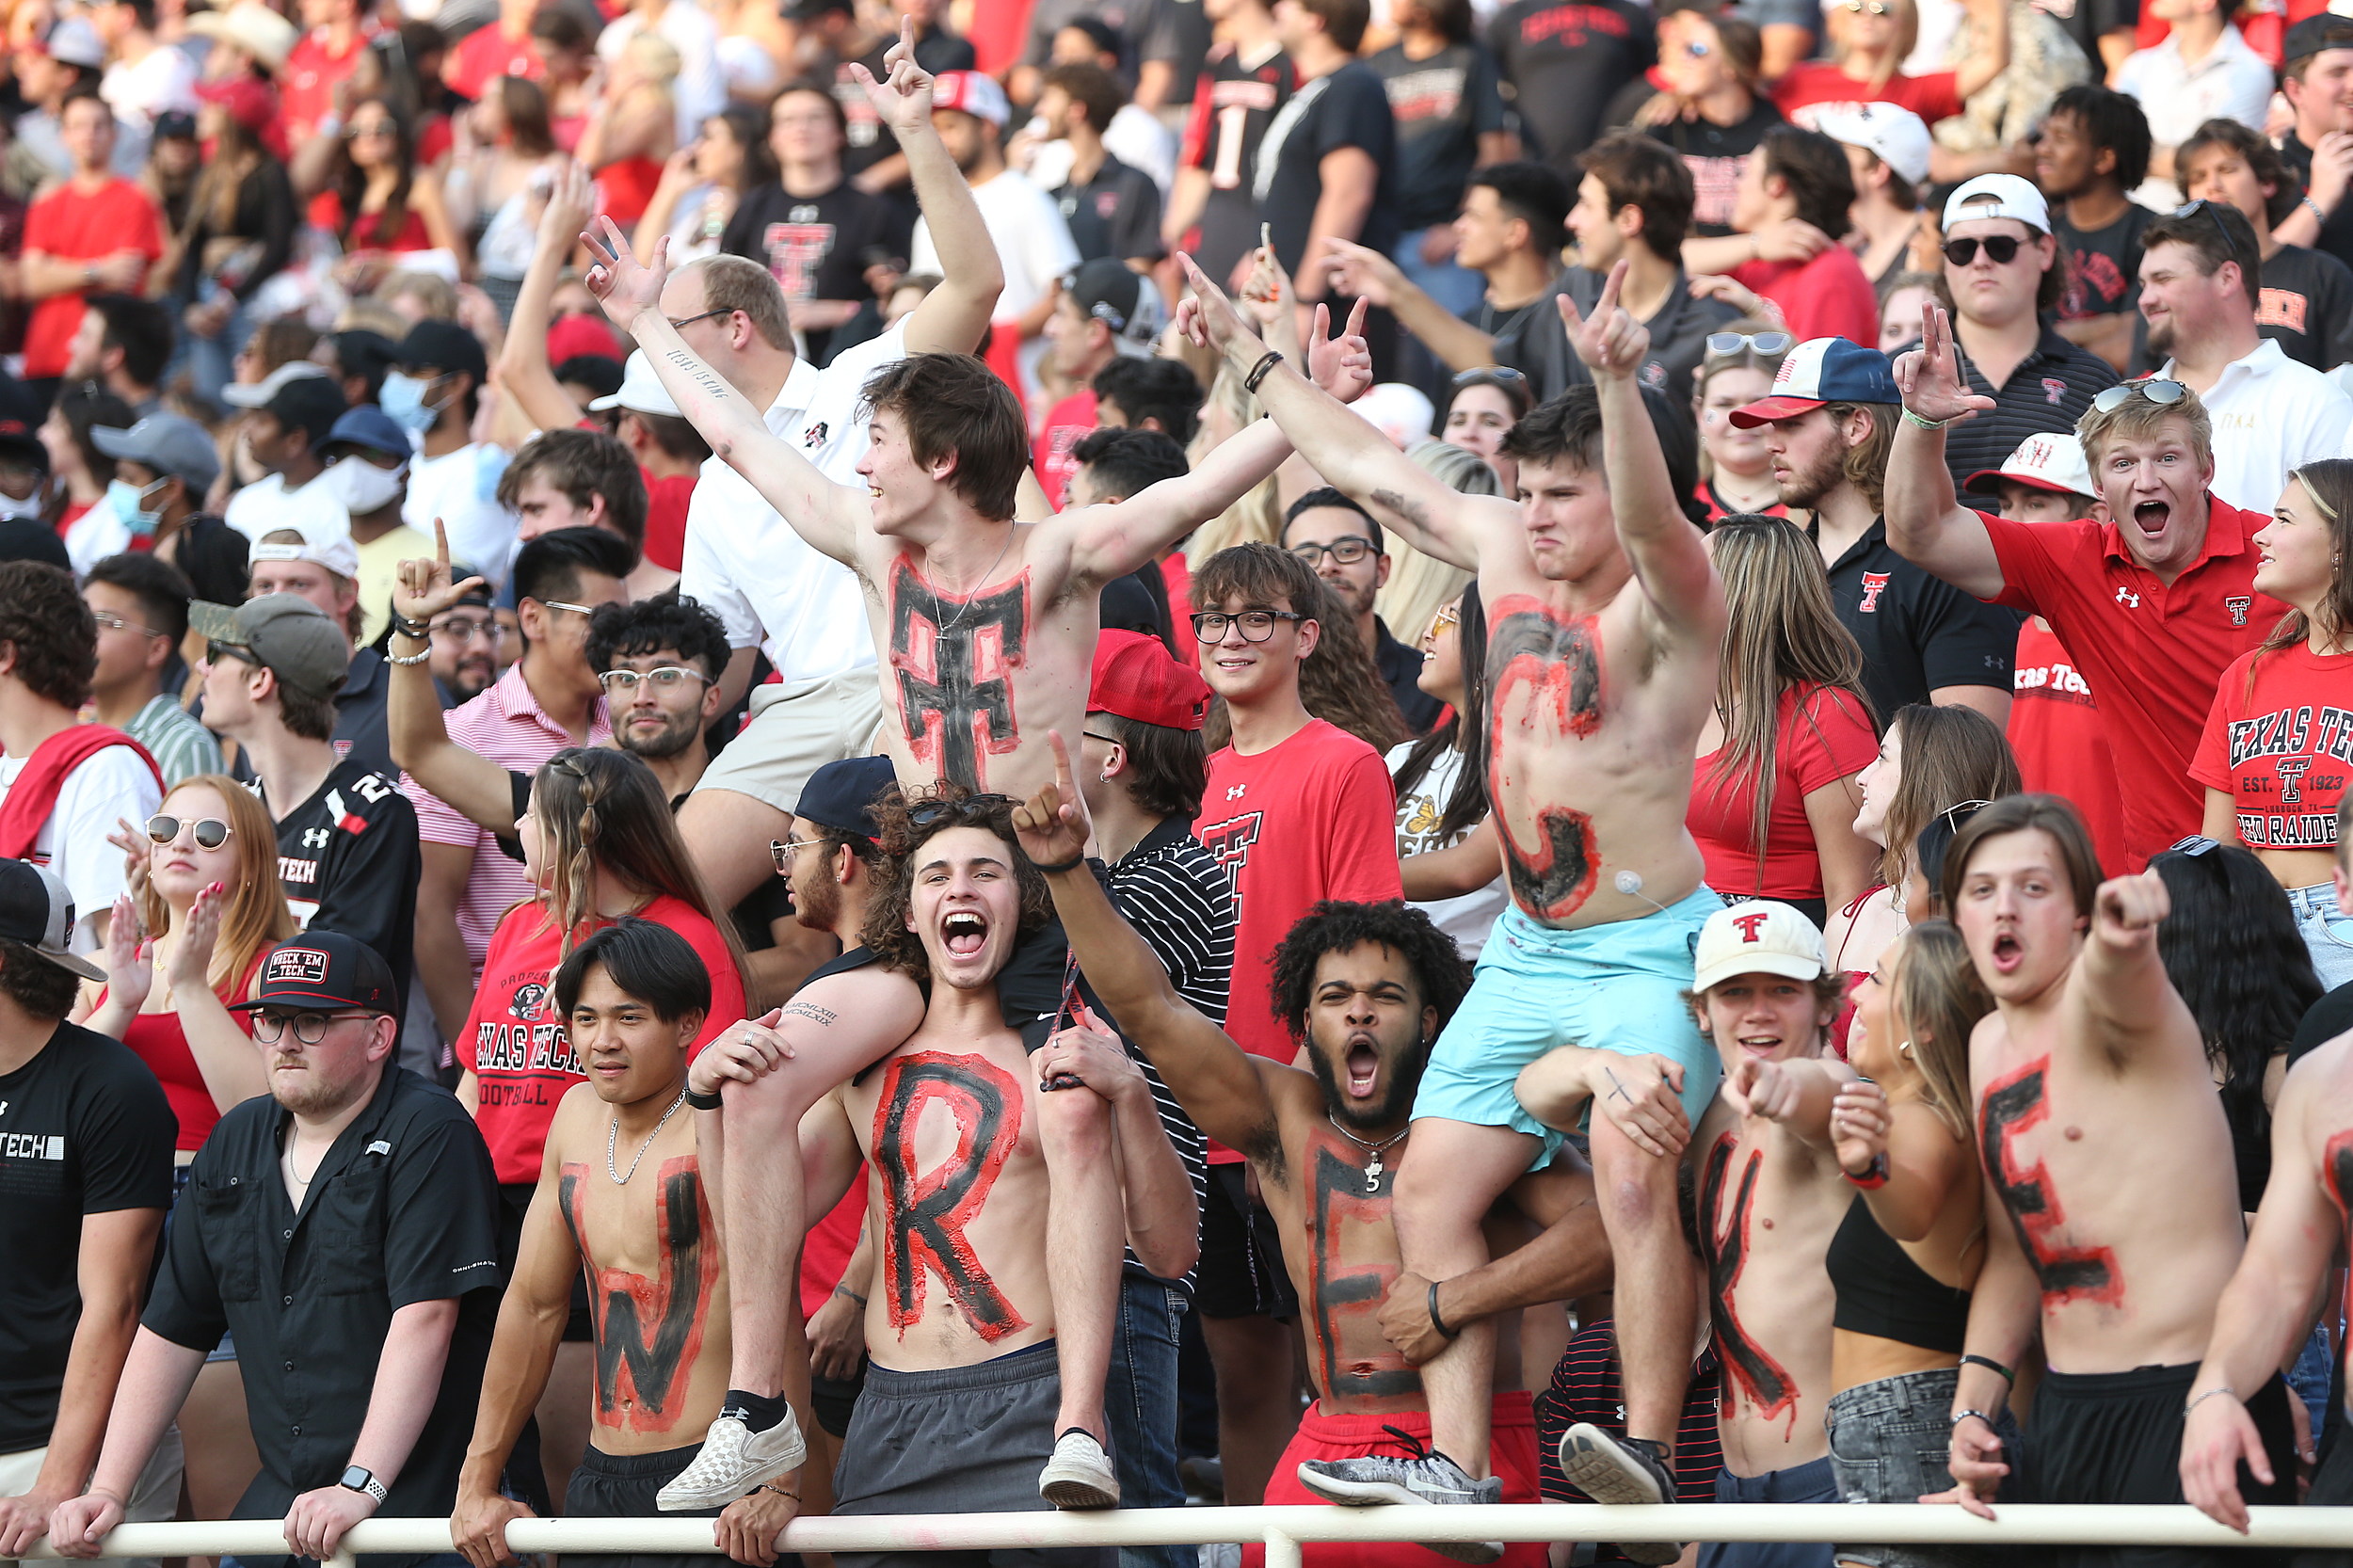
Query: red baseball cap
{"type": "Point", "coordinates": [247, 101]}
{"type": "Point", "coordinates": [1136, 678]}
{"type": "Point", "coordinates": [581, 334]}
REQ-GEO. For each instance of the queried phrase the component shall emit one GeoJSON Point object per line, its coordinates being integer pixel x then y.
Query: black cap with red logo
{"type": "Point", "coordinates": [322, 971]}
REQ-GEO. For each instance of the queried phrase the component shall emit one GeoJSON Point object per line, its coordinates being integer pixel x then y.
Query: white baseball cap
{"type": "Point", "coordinates": [2048, 460]}
{"type": "Point", "coordinates": [242, 394]}
{"type": "Point", "coordinates": [1998, 196]}
{"type": "Point", "coordinates": [642, 391]}
{"type": "Point", "coordinates": [325, 528]}
{"type": "Point", "coordinates": [1758, 936]}
{"type": "Point", "coordinates": [1892, 134]}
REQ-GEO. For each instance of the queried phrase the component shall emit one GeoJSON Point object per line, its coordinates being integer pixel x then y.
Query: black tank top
{"type": "Point", "coordinates": [1883, 1293]}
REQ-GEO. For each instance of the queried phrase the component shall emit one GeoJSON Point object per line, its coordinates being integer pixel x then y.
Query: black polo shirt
{"type": "Point", "coordinates": [1918, 632]}
{"type": "Point", "coordinates": [1401, 666]}
{"type": "Point", "coordinates": [402, 1210]}
{"type": "Point", "coordinates": [2049, 391]}
{"type": "Point", "coordinates": [1678, 338]}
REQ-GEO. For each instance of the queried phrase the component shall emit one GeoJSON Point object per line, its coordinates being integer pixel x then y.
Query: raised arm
{"type": "Point", "coordinates": [468, 782]}
{"type": "Point", "coordinates": [523, 371]}
{"type": "Point", "coordinates": [1926, 521]}
{"type": "Point", "coordinates": [1667, 549]}
{"type": "Point", "coordinates": [826, 515]}
{"type": "Point", "coordinates": [1923, 1159]}
{"type": "Point", "coordinates": [954, 315]}
{"type": "Point", "coordinates": [2125, 986]}
{"type": "Point", "coordinates": [1361, 270]}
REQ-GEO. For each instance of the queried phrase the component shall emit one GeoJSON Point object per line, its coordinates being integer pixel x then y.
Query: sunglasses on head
{"type": "Point", "coordinates": [2157, 392]}
{"type": "Point", "coordinates": [2002, 248]}
{"type": "Point", "coordinates": [1484, 373]}
{"type": "Point", "coordinates": [1722, 344]}
{"type": "Point", "coordinates": [211, 832]}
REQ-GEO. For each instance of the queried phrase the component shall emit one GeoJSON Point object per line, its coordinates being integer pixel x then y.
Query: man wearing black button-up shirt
{"type": "Point", "coordinates": [343, 1230]}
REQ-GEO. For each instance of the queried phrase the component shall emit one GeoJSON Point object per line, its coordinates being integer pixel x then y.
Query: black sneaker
{"type": "Point", "coordinates": [1612, 1469]}
{"type": "Point", "coordinates": [1425, 1475]}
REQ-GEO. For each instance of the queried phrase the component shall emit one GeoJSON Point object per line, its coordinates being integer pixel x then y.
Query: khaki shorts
{"type": "Point", "coordinates": [154, 1498]}
{"type": "Point", "coordinates": [793, 729]}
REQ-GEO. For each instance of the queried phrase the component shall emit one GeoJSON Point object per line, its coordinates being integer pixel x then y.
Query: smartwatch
{"type": "Point", "coordinates": [361, 1479]}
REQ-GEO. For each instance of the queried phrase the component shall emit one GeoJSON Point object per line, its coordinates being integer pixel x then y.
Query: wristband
{"type": "Point", "coordinates": [420, 630]}
{"type": "Point", "coordinates": [2197, 1399]}
{"type": "Point", "coordinates": [1873, 1179]}
{"type": "Point", "coordinates": [1258, 372]}
{"type": "Point", "coordinates": [1918, 424]}
{"type": "Point", "coordinates": [1054, 866]}
{"type": "Point", "coordinates": [1438, 1323]}
{"type": "Point", "coordinates": [1960, 1416]}
{"type": "Point", "coordinates": [417, 658]}
{"type": "Point", "coordinates": [2318, 216]}
{"type": "Point", "coordinates": [772, 1486]}
{"type": "Point", "coordinates": [1992, 1366]}
{"type": "Point", "coordinates": [702, 1102]}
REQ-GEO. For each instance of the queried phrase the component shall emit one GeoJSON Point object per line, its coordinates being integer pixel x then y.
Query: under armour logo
{"type": "Point", "coordinates": [314, 837]}
{"type": "Point", "coordinates": [1874, 584]}
{"type": "Point", "coordinates": [2291, 772]}
{"type": "Point", "coordinates": [2128, 598]}
{"type": "Point", "coordinates": [2238, 604]}
{"type": "Point", "coordinates": [1749, 924]}
{"type": "Point", "coordinates": [1236, 793]}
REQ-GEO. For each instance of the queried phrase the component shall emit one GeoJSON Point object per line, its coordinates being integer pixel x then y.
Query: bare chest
{"type": "Point", "coordinates": [1339, 1226]}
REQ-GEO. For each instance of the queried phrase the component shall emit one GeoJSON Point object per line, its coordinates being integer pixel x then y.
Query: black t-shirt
{"type": "Point", "coordinates": [869, 140]}
{"type": "Point", "coordinates": [816, 247]}
{"type": "Point", "coordinates": [1678, 339]}
{"type": "Point", "coordinates": [1563, 62]}
{"type": "Point", "coordinates": [84, 1130]}
{"type": "Point", "coordinates": [2336, 236]}
{"type": "Point", "coordinates": [1918, 632]}
{"type": "Point", "coordinates": [2102, 264]}
{"type": "Point", "coordinates": [1233, 105]}
{"type": "Point", "coordinates": [1346, 109]}
{"type": "Point", "coordinates": [1441, 106]}
{"type": "Point", "coordinates": [349, 862]}
{"type": "Point", "coordinates": [1714, 154]}
{"type": "Point", "coordinates": [1401, 668]}
{"type": "Point", "coordinates": [2327, 1018]}
{"type": "Point", "coordinates": [1115, 214]}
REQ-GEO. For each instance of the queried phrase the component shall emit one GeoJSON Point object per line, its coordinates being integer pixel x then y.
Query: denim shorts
{"type": "Point", "coordinates": [1888, 1443]}
{"type": "Point", "coordinates": [2327, 932]}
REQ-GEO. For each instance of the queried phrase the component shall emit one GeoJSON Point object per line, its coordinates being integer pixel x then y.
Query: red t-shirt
{"type": "Point", "coordinates": [2155, 654]}
{"type": "Point", "coordinates": [306, 88]}
{"type": "Point", "coordinates": [1933, 97]}
{"type": "Point", "coordinates": [161, 1041]}
{"type": "Point", "coordinates": [1823, 735]}
{"type": "Point", "coordinates": [2055, 733]}
{"type": "Point", "coordinates": [515, 1045]}
{"type": "Point", "coordinates": [74, 225]}
{"type": "Point", "coordinates": [1071, 422]}
{"type": "Point", "coordinates": [481, 54]}
{"type": "Point", "coordinates": [832, 1241]}
{"type": "Point", "coordinates": [1826, 297]}
{"type": "Point", "coordinates": [665, 517]}
{"type": "Point", "coordinates": [2279, 746]}
{"type": "Point", "coordinates": [1312, 818]}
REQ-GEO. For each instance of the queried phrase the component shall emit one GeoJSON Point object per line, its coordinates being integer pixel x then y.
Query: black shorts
{"type": "Point", "coordinates": [2116, 1437]}
{"type": "Point", "coordinates": [1240, 1273]}
{"type": "Point", "coordinates": [514, 1203]}
{"type": "Point", "coordinates": [622, 1486]}
{"type": "Point", "coordinates": [2333, 1487]}
{"type": "Point", "coordinates": [833, 1400]}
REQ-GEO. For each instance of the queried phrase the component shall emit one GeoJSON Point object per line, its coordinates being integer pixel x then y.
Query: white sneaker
{"type": "Point", "coordinates": [1080, 1475]}
{"type": "Point", "coordinates": [735, 1461]}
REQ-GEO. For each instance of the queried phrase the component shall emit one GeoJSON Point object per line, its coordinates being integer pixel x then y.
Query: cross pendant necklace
{"type": "Point", "coordinates": [1373, 1168]}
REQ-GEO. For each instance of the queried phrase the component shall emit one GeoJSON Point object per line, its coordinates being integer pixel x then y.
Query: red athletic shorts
{"type": "Point", "coordinates": [1512, 1450]}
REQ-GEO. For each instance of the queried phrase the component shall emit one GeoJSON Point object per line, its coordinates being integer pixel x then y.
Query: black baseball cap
{"type": "Point", "coordinates": [310, 404]}
{"type": "Point", "coordinates": [445, 346]}
{"type": "Point", "coordinates": [322, 970]}
{"type": "Point", "coordinates": [2315, 33]}
{"type": "Point", "coordinates": [840, 795]}
{"type": "Point", "coordinates": [37, 911]}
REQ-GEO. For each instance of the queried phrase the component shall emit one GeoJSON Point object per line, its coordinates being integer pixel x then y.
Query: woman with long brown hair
{"type": "Point", "coordinates": [1775, 799]}
{"type": "Point", "coordinates": [373, 196]}
{"type": "Point", "coordinates": [240, 231]}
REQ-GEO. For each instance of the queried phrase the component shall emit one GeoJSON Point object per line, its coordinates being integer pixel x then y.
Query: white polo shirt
{"type": "Point", "coordinates": [767, 585]}
{"type": "Point", "coordinates": [2270, 414]}
{"type": "Point", "coordinates": [2232, 82]}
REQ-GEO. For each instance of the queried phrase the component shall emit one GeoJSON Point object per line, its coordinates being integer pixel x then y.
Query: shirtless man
{"type": "Point", "coordinates": [1365, 989]}
{"type": "Point", "coordinates": [1604, 627]}
{"type": "Point", "coordinates": [634, 997]}
{"type": "Point", "coordinates": [2107, 1153]}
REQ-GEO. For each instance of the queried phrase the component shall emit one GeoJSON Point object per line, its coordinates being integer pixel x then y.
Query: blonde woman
{"type": "Point", "coordinates": [1736, 469]}
{"type": "Point", "coordinates": [1868, 42]}
{"type": "Point", "coordinates": [632, 129]}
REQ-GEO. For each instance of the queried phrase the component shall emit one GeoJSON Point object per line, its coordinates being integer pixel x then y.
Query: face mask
{"type": "Point", "coordinates": [404, 399]}
{"type": "Point", "coordinates": [124, 497]}
{"type": "Point", "coordinates": [29, 507]}
{"type": "Point", "coordinates": [364, 488]}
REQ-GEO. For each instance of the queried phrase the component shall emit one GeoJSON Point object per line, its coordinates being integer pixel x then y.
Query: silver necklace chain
{"type": "Point", "coordinates": [612, 1134]}
{"type": "Point", "coordinates": [966, 608]}
{"type": "Point", "coordinates": [1373, 1168]}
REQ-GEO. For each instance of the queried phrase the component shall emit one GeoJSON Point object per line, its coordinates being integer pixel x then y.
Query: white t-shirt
{"type": "Point", "coordinates": [461, 487]}
{"type": "Point", "coordinates": [741, 559]}
{"type": "Point", "coordinates": [1033, 245]}
{"type": "Point", "coordinates": [162, 81]}
{"type": "Point", "coordinates": [1419, 809]}
{"type": "Point", "coordinates": [73, 843]}
{"type": "Point", "coordinates": [265, 504]}
{"type": "Point", "coordinates": [2232, 82]}
{"type": "Point", "coordinates": [2270, 414]}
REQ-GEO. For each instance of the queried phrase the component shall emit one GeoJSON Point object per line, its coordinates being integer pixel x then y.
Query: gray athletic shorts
{"type": "Point", "coordinates": [967, 1440]}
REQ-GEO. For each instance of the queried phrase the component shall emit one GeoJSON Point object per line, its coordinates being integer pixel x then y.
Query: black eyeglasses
{"type": "Point", "coordinates": [2161, 392]}
{"type": "Point", "coordinates": [309, 1028]}
{"type": "Point", "coordinates": [1347, 552]}
{"type": "Point", "coordinates": [2002, 248]}
{"type": "Point", "coordinates": [1767, 343]}
{"type": "Point", "coordinates": [215, 650]}
{"type": "Point", "coordinates": [682, 325]}
{"type": "Point", "coordinates": [1256, 626]}
{"type": "Point", "coordinates": [211, 832]}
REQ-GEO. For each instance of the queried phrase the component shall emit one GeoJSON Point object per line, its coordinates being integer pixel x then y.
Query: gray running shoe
{"type": "Point", "coordinates": [1424, 1476]}
{"type": "Point", "coordinates": [1612, 1469]}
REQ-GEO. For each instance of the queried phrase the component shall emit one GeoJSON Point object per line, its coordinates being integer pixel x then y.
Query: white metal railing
{"type": "Point", "coordinates": [1284, 1530]}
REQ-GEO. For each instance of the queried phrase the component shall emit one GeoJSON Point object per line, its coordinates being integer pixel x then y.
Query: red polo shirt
{"type": "Point", "coordinates": [2155, 654]}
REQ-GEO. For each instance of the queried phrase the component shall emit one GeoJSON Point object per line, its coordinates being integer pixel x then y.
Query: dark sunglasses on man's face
{"type": "Point", "coordinates": [2002, 248]}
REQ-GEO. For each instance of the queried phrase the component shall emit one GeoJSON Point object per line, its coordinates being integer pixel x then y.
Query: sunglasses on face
{"type": "Point", "coordinates": [216, 651]}
{"type": "Point", "coordinates": [1867, 8]}
{"type": "Point", "coordinates": [211, 832]}
{"type": "Point", "coordinates": [2159, 392]}
{"type": "Point", "coordinates": [782, 851]}
{"type": "Point", "coordinates": [2002, 248]}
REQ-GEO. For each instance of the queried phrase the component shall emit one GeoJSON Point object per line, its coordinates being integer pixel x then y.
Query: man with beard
{"type": "Point", "coordinates": [364, 1194]}
{"type": "Point", "coordinates": [2108, 1154]}
{"type": "Point", "coordinates": [465, 638]}
{"type": "Point", "coordinates": [1829, 423]}
{"type": "Point", "coordinates": [1363, 990]}
{"type": "Point", "coordinates": [1341, 541]}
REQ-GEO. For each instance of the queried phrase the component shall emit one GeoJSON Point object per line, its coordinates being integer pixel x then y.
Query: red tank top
{"type": "Point", "coordinates": [161, 1041]}
{"type": "Point", "coordinates": [629, 184]}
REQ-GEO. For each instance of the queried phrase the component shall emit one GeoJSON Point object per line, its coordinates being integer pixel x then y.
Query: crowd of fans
{"type": "Point", "coordinates": [1332, 752]}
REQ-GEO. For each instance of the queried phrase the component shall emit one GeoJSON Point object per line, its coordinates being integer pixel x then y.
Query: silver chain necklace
{"type": "Point", "coordinates": [614, 1132]}
{"type": "Point", "coordinates": [1373, 1167]}
{"type": "Point", "coordinates": [966, 608]}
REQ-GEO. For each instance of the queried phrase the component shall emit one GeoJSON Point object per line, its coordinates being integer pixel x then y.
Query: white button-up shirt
{"type": "Point", "coordinates": [2270, 414]}
{"type": "Point", "coordinates": [2232, 82]}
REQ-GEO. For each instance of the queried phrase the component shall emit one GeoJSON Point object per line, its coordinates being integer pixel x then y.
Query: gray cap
{"type": "Point", "coordinates": [252, 395]}
{"type": "Point", "coordinates": [168, 443]}
{"type": "Point", "coordinates": [294, 638]}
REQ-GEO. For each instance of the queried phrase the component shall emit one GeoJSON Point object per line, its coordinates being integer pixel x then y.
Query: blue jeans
{"type": "Point", "coordinates": [2327, 932]}
{"type": "Point", "coordinates": [1140, 1407]}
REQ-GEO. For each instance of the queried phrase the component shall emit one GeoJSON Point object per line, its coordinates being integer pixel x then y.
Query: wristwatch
{"type": "Point", "coordinates": [361, 1479]}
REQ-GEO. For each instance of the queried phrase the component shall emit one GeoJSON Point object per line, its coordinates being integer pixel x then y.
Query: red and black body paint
{"type": "Point", "coordinates": [925, 1214]}
{"type": "Point", "coordinates": [2068, 1274]}
{"type": "Point", "coordinates": [636, 1375]}
{"type": "Point", "coordinates": [1547, 660]}
{"type": "Point", "coordinates": [953, 659]}
{"type": "Point", "coordinates": [1343, 1292]}
{"type": "Point", "coordinates": [1755, 1376]}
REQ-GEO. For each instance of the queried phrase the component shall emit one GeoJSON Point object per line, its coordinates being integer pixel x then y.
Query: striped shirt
{"type": "Point", "coordinates": [181, 746]}
{"type": "Point", "coordinates": [2049, 391]}
{"type": "Point", "coordinates": [1181, 900]}
{"type": "Point", "coordinates": [1586, 1387]}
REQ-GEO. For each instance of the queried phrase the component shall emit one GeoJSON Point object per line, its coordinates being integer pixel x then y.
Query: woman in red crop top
{"type": "Point", "coordinates": [374, 193]}
{"type": "Point", "coordinates": [1773, 799]}
{"type": "Point", "coordinates": [187, 946]}
{"type": "Point", "coordinates": [2279, 740]}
